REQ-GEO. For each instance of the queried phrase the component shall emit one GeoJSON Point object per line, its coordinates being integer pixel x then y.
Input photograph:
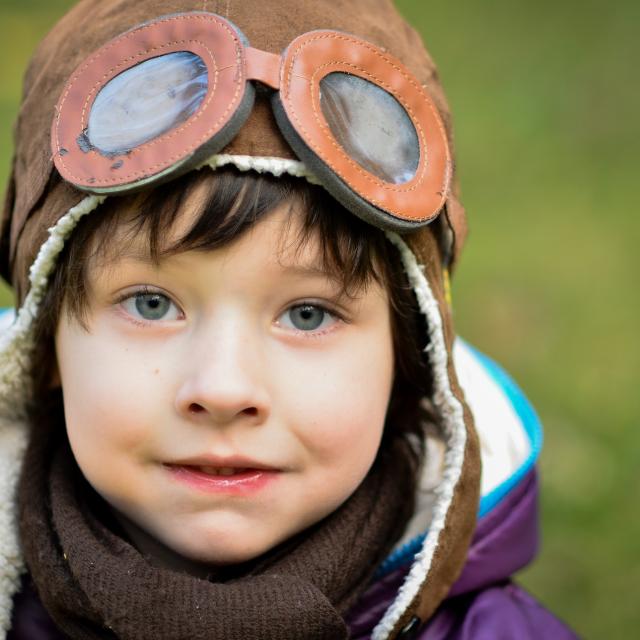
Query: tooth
{"type": "Point", "coordinates": [219, 471]}
{"type": "Point", "coordinates": [212, 471]}
{"type": "Point", "coordinates": [226, 471]}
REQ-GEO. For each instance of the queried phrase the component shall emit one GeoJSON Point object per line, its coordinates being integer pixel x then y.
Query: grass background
{"type": "Point", "coordinates": [546, 106]}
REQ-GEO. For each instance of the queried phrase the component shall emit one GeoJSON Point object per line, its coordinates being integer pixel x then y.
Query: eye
{"type": "Point", "coordinates": [307, 317]}
{"type": "Point", "coordinates": [151, 306]}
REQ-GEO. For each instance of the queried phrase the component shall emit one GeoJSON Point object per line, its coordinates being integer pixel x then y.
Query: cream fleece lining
{"type": "Point", "coordinates": [451, 412]}
{"type": "Point", "coordinates": [17, 343]}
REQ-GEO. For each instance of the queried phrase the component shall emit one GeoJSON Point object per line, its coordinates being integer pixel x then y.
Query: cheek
{"type": "Point", "coordinates": [341, 406]}
{"type": "Point", "coordinates": [108, 421]}
{"type": "Point", "coordinates": [106, 397]}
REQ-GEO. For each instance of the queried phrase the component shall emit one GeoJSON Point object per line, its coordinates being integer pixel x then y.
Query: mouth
{"type": "Point", "coordinates": [217, 471]}
{"type": "Point", "coordinates": [229, 480]}
{"type": "Point", "coordinates": [221, 465]}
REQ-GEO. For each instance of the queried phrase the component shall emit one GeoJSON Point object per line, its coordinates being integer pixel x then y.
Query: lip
{"type": "Point", "coordinates": [247, 481]}
{"type": "Point", "coordinates": [252, 477]}
{"type": "Point", "coordinates": [235, 462]}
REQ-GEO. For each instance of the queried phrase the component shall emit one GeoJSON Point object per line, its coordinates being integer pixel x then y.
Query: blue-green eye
{"type": "Point", "coordinates": [307, 317]}
{"type": "Point", "coordinates": [151, 306]}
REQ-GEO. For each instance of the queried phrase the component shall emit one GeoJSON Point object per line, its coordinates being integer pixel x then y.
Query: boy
{"type": "Point", "coordinates": [238, 393]}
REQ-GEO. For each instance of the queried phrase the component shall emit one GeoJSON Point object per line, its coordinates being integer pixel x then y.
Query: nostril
{"type": "Point", "coordinates": [196, 409]}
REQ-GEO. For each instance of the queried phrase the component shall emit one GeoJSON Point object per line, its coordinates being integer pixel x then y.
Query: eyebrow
{"type": "Point", "coordinates": [305, 269]}
{"type": "Point", "coordinates": [308, 270]}
{"type": "Point", "coordinates": [137, 255]}
{"type": "Point", "coordinates": [313, 269]}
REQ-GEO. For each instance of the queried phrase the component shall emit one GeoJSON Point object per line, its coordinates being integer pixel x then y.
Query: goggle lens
{"type": "Point", "coordinates": [146, 101]}
{"type": "Point", "coordinates": [371, 126]}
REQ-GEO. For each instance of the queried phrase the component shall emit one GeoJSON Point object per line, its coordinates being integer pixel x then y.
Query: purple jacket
{"type": "Point", "coordinates": [484, 603]}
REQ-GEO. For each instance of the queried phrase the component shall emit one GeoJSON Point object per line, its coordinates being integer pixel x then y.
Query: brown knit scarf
{"type": "Point", "coordinates": [95, 584]}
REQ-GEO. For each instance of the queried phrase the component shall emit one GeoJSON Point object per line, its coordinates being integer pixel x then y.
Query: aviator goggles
{"type": "Point", "coordinates": [160, 99]}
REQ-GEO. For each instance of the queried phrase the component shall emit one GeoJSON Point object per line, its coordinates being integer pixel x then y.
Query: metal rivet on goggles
{"type": "Point", "coordinates": [161, 98]}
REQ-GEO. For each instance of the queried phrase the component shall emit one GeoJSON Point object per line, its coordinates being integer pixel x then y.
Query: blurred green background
{"type": "Point", "coordinates": [546, 109]}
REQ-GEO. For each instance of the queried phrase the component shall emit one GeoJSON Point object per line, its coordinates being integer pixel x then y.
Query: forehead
{"type": "Point", "coordinates": [210, 211]}
{"type": "Point", "coordinates": [278, 238]}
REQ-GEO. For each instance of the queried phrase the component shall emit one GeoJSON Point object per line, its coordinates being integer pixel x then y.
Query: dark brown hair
{"type": "Point", "coordinates": [228, 203]}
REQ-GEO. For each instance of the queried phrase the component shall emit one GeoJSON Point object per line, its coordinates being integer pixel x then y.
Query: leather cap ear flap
{"type": "Point", "coordinates": [442, 556]}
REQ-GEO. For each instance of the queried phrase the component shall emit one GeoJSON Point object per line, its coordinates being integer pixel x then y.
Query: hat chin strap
{"type": "Point", "coordinates": [16, 346]}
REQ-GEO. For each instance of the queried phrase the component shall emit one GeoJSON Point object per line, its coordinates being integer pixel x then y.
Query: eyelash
{"type": "Point", "coordinates": [313, 333]}
{"type": "Point", "coordinates": [142, 291]}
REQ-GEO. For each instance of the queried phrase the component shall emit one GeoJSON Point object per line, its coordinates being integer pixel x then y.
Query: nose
{"type": "Point", "coordinates": [224, 381]}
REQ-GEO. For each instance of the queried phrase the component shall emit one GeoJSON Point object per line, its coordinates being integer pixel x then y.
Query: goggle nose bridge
{"type": "Point", "coordinates": [263, 67]}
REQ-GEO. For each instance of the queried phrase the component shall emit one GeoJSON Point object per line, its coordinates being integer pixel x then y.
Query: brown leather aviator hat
{"type": "Point", "coordinates": [340, 92]}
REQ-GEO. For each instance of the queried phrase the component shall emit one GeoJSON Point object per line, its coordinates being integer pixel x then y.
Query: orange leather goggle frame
{"type": "Point", "coordinates": [295, 79]}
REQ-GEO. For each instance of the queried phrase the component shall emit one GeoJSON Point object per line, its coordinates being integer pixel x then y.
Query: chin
{"type": "Point", "coordinates": [224, 557]}
{"type": "Point", "coordinates": [223, 549]}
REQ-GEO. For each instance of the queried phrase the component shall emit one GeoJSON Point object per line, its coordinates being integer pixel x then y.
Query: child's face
{"type": "Point", "coordinates": [244, 357]}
